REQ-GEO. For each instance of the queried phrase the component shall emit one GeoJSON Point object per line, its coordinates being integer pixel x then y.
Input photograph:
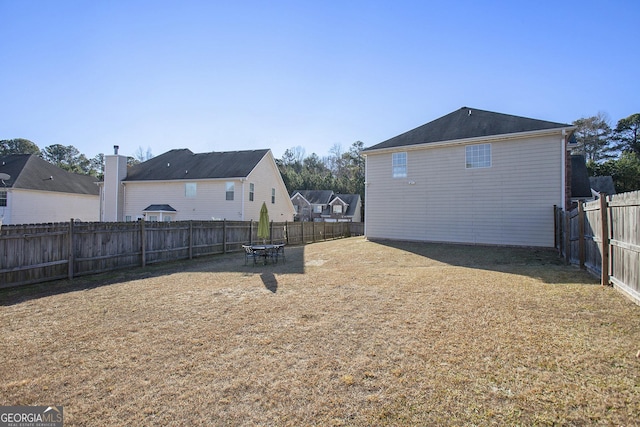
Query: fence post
{"type": "Point", "coordinates": [286, 232]}
{"type": "Point", "coordinates": [224, 236]}
{"type": "Point", "coordinates": [567, 237]}
{"type": "Point", "coordinates": [71, 249]}
{"type": "Point", "coordinates": [555, 227]}
{"type": "Point", "coordinates": [190, 239]}
{"type": "Point", "coordinates": [604, 216]}
{"type": "Point", "coordinates": [581, 248]}
{"type": "Point", "coordinates": [302, 231]}
{"type": "Point", "coordinates": [143, 242]}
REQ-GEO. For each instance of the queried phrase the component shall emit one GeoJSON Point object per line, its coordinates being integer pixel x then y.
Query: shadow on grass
{"type": "Point", "coordinates": [270, 281]}
{"type": "Point", "coordinates": [230, 262]}
{"type": "Point", "coordinates": [540, 263]}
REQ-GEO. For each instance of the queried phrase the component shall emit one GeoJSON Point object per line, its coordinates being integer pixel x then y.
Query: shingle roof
{"type": "Point", "coordinates": [30, 172]}
{"type": "Point", "coordinates": [602, 184]}
{"type": "Point", "coordinates": [315, 197]}
{"type": "Point", "coordinates": [580, 186]}
{"type": "Point", "coordinates": [158, 208]}
{"type": "Point", "coordinates": [467, 123]}
{"type": "Point", "coordinates": [351, 200]}
{"type": "Point", "coordinates": [183, 164]}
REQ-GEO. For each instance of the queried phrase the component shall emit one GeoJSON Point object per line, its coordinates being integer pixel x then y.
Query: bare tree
{"type": "Point", "coordinates": [141, 155]}
{"type": "Point", "coordinates": [594, 136]}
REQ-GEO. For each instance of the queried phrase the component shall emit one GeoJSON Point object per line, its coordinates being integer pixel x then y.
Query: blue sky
{"type": "Point", "coordinates": [236, 75]}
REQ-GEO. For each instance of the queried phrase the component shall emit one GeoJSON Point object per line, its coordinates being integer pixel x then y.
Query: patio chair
{"type": "Point", "coordinates": [278, 252]}
{"type": "Point", "coordinates": [249, 253]}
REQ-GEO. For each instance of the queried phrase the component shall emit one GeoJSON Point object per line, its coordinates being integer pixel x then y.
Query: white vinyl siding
{"type": "Point", "coordinates": [33, 206]}
{"type": "Point", "coordinates": [209, 202]}
{"type": "Point", "coordinates": [507, 204]}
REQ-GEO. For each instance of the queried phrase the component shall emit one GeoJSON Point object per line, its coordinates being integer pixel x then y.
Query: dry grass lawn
{"type": "Point", "coordinates": [346, 333]}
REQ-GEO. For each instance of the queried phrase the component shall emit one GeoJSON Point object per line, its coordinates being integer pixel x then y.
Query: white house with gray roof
{"type": "Point", "coordinates": [180, 185]}
{"type": "Point", "coordinates": [471, 176]}
{"type": "Point", "coordinates": [34, 191]}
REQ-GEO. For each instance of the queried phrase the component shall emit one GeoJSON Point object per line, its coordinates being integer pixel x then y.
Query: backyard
{"type": "Point", "coordinates": [345, 333]}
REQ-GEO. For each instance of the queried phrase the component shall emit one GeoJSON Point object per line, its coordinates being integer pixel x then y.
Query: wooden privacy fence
{"type": "Point", "coordinates": [603, 237]}
{"type": "Point", "coordinates": [37, 253]}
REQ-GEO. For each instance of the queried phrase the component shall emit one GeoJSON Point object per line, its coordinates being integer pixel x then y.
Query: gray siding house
{"type": "Point", "coordinates": [326, 206]}
{"type": "Point", "coordinates": [471, 176]}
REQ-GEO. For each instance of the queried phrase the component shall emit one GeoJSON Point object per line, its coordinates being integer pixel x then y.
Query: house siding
{"type": "Point", "coordinates": [32, 207]}
{"type": "Point", "coordinates": [509, 203]}
{"type": "Point", "coordinates": [263, 177]}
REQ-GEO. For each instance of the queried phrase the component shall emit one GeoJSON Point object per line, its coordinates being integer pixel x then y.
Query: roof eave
{"type": "Point", "coordinates": [491, 138]}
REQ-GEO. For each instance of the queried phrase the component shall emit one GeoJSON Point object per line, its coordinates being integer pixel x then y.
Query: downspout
{"type": "Point", "coordinates": [366, 191]}
{"type": "Point", "coordinates": [124, 200]}
{"type": "Point", "coordinates": [242, 180]}
{"type": "Point", "coordinates": [563, 193]}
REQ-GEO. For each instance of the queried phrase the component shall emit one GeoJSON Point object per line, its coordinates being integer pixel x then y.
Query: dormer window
{"type": "Point", "coordinates": [337, 208]}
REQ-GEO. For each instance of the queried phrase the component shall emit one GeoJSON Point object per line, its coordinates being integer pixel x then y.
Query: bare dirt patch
{"type": "Point", "coordinates": [347, 332]}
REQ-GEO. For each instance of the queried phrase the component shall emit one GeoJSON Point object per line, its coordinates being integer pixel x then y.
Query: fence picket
{"type": "Point", "coordinates": [35, 253]}
{"type": "Point", "coordinates": [611, 240]}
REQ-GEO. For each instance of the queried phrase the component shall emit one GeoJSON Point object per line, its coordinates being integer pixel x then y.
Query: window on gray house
{"type": "Point", "coordinates": [190, 189]}
{"type": "Point", "coordinates": [230, 189]}
{"type": "Point", "coordinates": [399, 165]}
{"type": "Point", "coordinates": [3, 197]}
{"type": "Point", "coordinates": [273, 195]}
{"type": "Point", "coordinates": [337, 209]}
{"type": "Point", "coordinates": [478, 156]}
{"type": "Point", "coordinates": [251, 191]}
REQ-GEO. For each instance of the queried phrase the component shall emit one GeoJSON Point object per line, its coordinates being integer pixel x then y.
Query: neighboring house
{"type": "Point", "coordinates": [471, 176]}
{"type": "Point", "coordinates": [180, 185]}
{"type": "Point", "coordinates": [324, 205]}
{"type": "Point", "coordinates": [310, 204]}
{"type": "Point", "coordinates": [602, 184]}
{"type": "Point", "coordinates": [585, 188]}
{"type": "Point", "coordinates": [580, 186]}
{"type": "Point", "coordinates": [39, 192]}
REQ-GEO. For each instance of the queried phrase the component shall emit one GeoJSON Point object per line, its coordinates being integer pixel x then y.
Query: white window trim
{"type": "Point", "coordinates": [475, 164]}
{"type": "Point", "coordinates": [232, 191]}
{"type": "Point", "coordinates": [395, 165]}
{"type": "Point", "coordinates": [193, 193]}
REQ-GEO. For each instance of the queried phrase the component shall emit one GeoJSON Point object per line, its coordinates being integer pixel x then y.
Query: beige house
{"type": "Point", "coordinates": [34, 191]}
{"type": "Point", "coordinates": [180, 185]}
{"type": "Point", "coordinates": [471, 176]}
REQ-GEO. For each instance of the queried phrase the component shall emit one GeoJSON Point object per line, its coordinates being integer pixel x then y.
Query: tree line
{"type": "Point", "coordinates": [341, 172]}
{"type": "Point", "coordinates": [611, 151]}
{"type": "Point", "coordinates": [67, 157]}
